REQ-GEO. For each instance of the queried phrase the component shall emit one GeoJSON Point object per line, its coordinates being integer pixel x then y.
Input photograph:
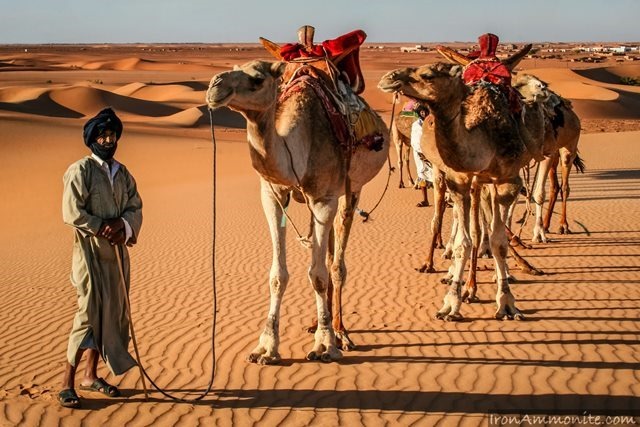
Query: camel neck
{"type": "Point", "coordinates": [267, 148]}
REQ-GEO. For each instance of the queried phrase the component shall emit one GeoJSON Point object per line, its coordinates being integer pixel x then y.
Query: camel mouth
{"type": "Point", "coordinates": [389, 85]}
{"type": "Point", "coordinates": [217, 98]}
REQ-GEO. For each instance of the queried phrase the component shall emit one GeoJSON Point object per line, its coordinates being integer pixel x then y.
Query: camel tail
{"type": "Point", "coordinates": [578, 162]}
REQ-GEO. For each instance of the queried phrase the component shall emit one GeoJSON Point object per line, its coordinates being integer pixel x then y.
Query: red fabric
{"type": "Point", "coordinates": [332, 49]}
{"type": "Point", "coordinates": [486, 65]}
{"type": "Point", "coordinates": [492, 71]}
{"type": "Point", "coordinates": [488, 45]}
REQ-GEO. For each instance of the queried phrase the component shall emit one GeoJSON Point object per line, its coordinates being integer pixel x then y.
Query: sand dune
{"type": "Point", "coordinates": [577, 354]}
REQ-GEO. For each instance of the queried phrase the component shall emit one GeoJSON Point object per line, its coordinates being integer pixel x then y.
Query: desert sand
{"type": "Point", "coordinates": [577, 354]}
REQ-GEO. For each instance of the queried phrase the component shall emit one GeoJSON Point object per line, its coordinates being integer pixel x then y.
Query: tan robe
{"type": "Point", "coordinates": [88, 198]}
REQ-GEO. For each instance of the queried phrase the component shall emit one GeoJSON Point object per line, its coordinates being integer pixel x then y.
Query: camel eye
{"type": "Point", "coordinates": [256, 82]}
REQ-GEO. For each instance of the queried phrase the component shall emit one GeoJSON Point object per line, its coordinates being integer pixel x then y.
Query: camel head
{"type": "Point", "coordinates": [250, 87]}
{"type": "Point", "coordinates": [429, 83]}
{"type": "Point", "coordinates": [531, 88]}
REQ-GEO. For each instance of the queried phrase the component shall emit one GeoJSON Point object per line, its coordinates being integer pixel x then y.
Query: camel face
{"type": "Point", "coordinates": [250, 87]}
{"type": "Point", "coordinates": [531, 88]}
{"type": "Point", "coordinates": [425, 83]}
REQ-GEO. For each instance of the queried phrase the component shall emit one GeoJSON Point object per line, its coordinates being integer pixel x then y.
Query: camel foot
{"type": "Point", "coordinates": [564, 229]}
{"type": "Point", "coordinates": [538, 238]}
{"type": "Point", "coordinates": [325, 356]}
{"type": "Point", "coordinates": [507, 308]}
{"type": "Point", "coordinates": [510, 314]}
{"type": "Point", "coordinates": [401, 185]}
{"type": "Point", "coordinates": [426, 269]}
{"type": "Point", "coordinates": [449, 317]}
{"type": "Point", "coordinates": [343, 342]}
{"type": "Point", "coordinates": [470, 297]}
{"type": "Point", "coordinates": [450, 310]}
{"type": "Point", "coordinates": [446, 279]}
{"type": "Point", "coordinates": [263, 359]}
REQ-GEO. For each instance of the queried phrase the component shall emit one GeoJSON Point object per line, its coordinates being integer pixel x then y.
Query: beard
{"type": "Point", "coordinates": [105, 152]}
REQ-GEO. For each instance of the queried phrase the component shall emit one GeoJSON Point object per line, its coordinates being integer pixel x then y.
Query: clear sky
{"type": "Point", "coordinates": [217, 21]}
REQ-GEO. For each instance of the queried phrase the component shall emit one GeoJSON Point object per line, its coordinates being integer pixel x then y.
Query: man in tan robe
{"type": "Point", "coordinates": [101, 202]}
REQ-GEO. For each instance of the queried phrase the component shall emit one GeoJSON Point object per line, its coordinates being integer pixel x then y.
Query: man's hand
{"type": "Point", "coordinates": [117, 238]}
{"type": "Point", "coordinates": [110, 227]}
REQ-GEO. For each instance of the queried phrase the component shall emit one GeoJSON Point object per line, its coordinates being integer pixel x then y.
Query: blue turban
{"type": "Point", "coordinates": [105, 119]}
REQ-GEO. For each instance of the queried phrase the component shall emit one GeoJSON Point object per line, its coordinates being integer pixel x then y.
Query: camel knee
{"type": "Point", "coordinates": [462, 249]}
{"type": "Point", "coordinates": [319, 280]}
{"type": "Point", "coordinates": [278, 284]}
{"type": "Point", "coordinates": [338, 272]}
{"type": "Point", "coordinates": [500, 249]}
{"type": "Point", "coordinates": [538, 198]}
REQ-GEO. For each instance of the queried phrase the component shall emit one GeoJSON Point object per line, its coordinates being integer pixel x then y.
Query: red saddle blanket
{"type": "Point", "coordinates": [343, 51]}
{"type": "Point", "coordinates": [308, 77]}
{"type": "Point", "coordinates": [486, 67]}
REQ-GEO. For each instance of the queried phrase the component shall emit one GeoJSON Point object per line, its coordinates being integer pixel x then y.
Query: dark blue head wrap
{"type": "Point", "coordinates": [105, 119]}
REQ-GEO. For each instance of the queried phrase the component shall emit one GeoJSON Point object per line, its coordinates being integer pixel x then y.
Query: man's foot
{"type": "Point", "coordinates": [68, 398]}
{"type": "Point", "coordinates": [423, 204]}
{"type": "Point", "coordinates": [101, 386]}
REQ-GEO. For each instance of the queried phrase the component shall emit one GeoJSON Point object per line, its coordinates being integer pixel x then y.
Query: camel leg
{"type": "Point", "coordinates": [266, 352]}
{"type": "Point", "coordinates": [342, 227]}
{"type": "Point", "coordinates": [439, 189]}
{"type": "Point", "coordinates": [566, 161]}
{"type": "Point", "coordinates": [484, 251]}
{"type": "Point", "coordinates": [452, 300]}
{"type": "Point", "coordinates": [538, 198]}
{"type": "Point", "coordinates": [407, 156]}
{"type": "Point", "coordinates": [471, 286]}
{"type": "Point", "coordinates": [448, 249]}
{"type": "Point", "coordinates": [324, 349]}
{"type": "Point", "coordinates": [554, 189]}
{"type": "Point", "coordinates": [501, 199]}
{"type": "Point", "coordinates": [397, 140]}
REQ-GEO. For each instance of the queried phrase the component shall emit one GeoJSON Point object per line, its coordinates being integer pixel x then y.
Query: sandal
{"type": "Point", "coordinates": [101, 386]}
{"type": "Point", "coordinates": [68, 398]}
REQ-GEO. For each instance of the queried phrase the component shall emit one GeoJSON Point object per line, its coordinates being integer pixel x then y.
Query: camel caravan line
{"type": "Point", "coordinates": [314, 139]}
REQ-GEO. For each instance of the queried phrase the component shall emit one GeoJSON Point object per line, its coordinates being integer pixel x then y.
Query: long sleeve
{"type": "Point", "coordinates": [74, 201]}
{"type": "Point", "coordinates": [132, 212]}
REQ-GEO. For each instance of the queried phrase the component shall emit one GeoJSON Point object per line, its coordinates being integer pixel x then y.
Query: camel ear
{"type": "Point", "coordinates": [514, 59]}
{"type": "Point", "coordinates": [453, 56]}
{"type": "Point", "coordinates": [236, 67]}
{"type": "Point", "coordinates": [272, 48]}
{"type": "Point", "coordinates": [455, 71]}
{"type": "Point", "coordinates": [277, 69]}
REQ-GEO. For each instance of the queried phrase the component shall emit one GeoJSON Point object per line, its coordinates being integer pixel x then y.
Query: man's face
{"type": "Point", "coordinates": [106, 138]}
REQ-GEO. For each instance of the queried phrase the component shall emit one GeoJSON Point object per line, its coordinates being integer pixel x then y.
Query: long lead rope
{"type": "Point", "coordinates": [215, 299]}
{"type": "Point", "coordinates": [367, 214]}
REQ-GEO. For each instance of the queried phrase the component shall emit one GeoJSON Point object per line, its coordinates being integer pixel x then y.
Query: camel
{"type": "Point", "coordinates": [401, 136]}
{"type": "Point", "coordinates": [562, 133]}
{"type": "Point", "coordinates": [473, 141]}
{"type": "Point", "coordinates": [293, 148]}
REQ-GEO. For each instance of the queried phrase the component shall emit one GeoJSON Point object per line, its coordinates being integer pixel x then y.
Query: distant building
{"type": "Point", "coordinates": [416, 48]}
